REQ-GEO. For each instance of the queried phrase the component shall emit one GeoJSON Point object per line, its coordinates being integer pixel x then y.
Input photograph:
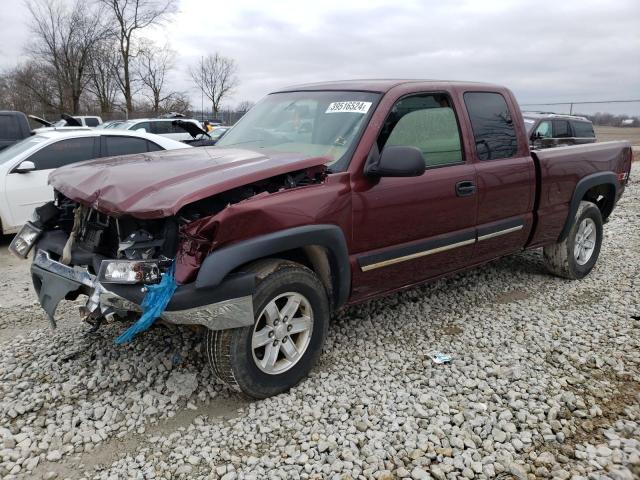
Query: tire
{"type": "Point", "coordinates": [251, 370]}
{"type": "Point", "coordinates": [566, 259]}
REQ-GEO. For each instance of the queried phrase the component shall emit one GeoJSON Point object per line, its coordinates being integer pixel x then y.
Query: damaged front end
{"type": "Point", "coordinates": [114, 262]}
{"type": "Point", "coordinates": [117, 261]}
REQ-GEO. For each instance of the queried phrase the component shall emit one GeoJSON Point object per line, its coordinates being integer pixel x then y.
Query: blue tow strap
{"type": "Point", "coordinates": [154, 302]}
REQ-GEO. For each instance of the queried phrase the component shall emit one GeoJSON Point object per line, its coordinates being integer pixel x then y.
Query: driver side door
{"type": "Point", "coordinates": [410, 229]}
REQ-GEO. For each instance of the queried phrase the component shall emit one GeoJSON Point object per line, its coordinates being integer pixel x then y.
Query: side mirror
{"type": "Point", "coordinates": [397, 161]}
{"type": "Point", "coordinates": [25, 167]}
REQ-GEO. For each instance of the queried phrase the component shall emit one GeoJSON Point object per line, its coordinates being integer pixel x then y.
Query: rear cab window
{"type": "Point", "coordinates": [493, 129]}
{"type": "Point", "coordinates": [583, 129]}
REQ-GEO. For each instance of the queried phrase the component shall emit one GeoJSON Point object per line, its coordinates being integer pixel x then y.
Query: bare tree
{"type": "Point", "coordinates": [103, 74]}
{"type": "Point", "coordinates": [177, 102]}
{"type": "Point", "coordinates": [245, 106]}
{"type": "Point", "coordinates": [63, 38]}
{"type": "Point", "coordinates": [15, 94]}
{"type": "Point", "coordinates": [131, 16]}
{"type": "Point", "coordinates": [216, 77]}
{"type": "Point", "coordinates": [153, 64]}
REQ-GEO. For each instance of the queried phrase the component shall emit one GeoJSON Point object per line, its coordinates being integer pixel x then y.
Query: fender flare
{"type": "Point", "coordinates": [220, 263]}
{"type": "Point", "coordinates": [588, 182]}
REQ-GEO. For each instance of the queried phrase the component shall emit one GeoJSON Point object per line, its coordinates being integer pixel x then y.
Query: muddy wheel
{"type": "Point", "coordinates": [291, 313]}
{"type": "Point", "coordinates": [577, 254]}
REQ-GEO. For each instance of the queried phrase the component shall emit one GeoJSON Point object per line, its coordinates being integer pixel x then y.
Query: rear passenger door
{"type": "Point", "coordinates": [409, 229]}
{"type": "Point", "coordinates": [505, 173]}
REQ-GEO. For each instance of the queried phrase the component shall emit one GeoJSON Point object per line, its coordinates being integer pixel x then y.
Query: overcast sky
{"type": "Point", "coordinates": [545, 51]}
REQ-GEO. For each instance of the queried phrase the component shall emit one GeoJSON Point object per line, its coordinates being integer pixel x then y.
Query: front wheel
{"type": "Point", "coordinates": [291, 313]}
{"type": "Point", "coordinates": [577, 254]}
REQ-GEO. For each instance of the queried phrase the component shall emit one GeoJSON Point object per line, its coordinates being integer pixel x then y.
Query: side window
{"type": "Point", "coordinates": [91, 122]}
{"type": "Point", "coordinates": [63, 153]}
{"type": "Point", "coordinates": [124, 145]}
{"type": "Point", "coordinates": [492, 125]}
{"type": "Point", "coordinates": [161, 128]}
{"type": "Point", "coordinates": [9, 128]}
{"type": "Point", "coordinates": [561, 129]}
{"type": "Point", "coordinates": [583, 130]}
{"type": "Point", "coordinates": [145, 125]}
{"type": "Point", "coordinates": [428, 122]}
{"type": "Point", "coordinates": [544, 130]}
{"type": "Point", "coordinates": [153, 147]}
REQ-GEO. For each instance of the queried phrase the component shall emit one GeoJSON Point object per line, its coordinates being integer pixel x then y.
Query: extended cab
{"type": "Point", "coordinates": [322, 196]}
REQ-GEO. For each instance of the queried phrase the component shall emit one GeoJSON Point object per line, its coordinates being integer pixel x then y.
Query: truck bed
{"type": "Point", "coordinates": [559, 171]}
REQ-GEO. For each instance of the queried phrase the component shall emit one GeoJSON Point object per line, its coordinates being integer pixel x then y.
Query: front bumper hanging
{"type": "Point", "coordinates": [227, 305]}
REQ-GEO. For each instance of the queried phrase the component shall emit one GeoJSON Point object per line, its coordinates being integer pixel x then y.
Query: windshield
{"type": "Point", "coordinates": [16, 149]}
{"type": "Point", "coordinates": [319, 124]}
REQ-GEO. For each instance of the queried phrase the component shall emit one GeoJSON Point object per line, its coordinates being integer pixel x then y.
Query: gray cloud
{"type": "Point", "coordinates": [542, 50]}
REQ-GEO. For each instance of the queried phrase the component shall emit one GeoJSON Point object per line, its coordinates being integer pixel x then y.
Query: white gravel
{"type": "Point", "coordinates": [544, 382]}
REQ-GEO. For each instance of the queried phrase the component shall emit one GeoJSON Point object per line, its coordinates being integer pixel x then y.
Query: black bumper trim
{"type": "Point", "coordinates": [188, 296]}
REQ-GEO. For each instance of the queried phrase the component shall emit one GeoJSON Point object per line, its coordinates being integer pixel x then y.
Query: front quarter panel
{"type": "Point", "coordinates": [326, 203]}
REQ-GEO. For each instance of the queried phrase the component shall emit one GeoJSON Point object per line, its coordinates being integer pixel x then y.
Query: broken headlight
{"type": "Point", "coordinates": [24, 241]}
{"type": "Point", "coordinates": [129, 271]}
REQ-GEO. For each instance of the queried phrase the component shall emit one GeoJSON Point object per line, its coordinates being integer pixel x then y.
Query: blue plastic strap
{"type": "Point", "coordinates": [155, 301]}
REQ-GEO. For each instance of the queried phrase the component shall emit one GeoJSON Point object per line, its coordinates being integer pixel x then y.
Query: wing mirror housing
{"type": "Point", "coordinates": [396, 161]}
{"type": "Point", "coordinates": [25, 167]}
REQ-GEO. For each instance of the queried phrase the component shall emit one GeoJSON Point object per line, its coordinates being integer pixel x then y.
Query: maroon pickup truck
{"type": "Point", "coordinates": [322, 196]}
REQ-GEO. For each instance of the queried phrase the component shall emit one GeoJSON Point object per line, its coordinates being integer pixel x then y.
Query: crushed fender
{"type": "Point", "coordinates": [155, 301]}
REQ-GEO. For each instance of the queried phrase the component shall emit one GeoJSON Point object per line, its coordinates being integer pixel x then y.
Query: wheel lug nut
{"type": "Point", "coordinates": [275, 322]}
{"type": "Point", "coordinates": [284, 340]}
{"type": "Point", "coordinates": [289, 327]}
{"type": "Point", "coordinates": [275, 343]}
{"type": "Point", "coordinates": [271, 334]}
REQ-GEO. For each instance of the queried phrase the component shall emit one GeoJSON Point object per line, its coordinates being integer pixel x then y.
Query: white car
{"type": "Point", "coordinates": [159, 126]}
{"type": "Point", "coordinates": [89, 120]}
{"type": "Point", "coordinates": [25, 166]}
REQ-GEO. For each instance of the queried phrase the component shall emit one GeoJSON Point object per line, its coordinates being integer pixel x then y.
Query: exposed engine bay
{"type": "Point", "coordinates": [99, 251]}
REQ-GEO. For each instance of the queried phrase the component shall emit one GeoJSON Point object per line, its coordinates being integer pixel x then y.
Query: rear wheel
{"type": "Point", "coordinates": [291, 313]}
{"type": "Point", "coordinates": [577, 254]}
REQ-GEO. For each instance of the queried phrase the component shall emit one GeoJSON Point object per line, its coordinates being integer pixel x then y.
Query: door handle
{"type": "Point", "coordinates": [465, 188]}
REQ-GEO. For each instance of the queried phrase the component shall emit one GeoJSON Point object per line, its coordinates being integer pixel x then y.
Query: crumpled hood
{"type": "Point", "coordinates": [158, 184]}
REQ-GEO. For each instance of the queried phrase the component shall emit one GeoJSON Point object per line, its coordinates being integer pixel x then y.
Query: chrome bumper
{"type": "Point", "coordinates": [57, 280]}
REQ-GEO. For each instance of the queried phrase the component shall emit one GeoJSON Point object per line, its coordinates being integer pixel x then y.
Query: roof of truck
{"type": "Point", "coordinates": [536, 115]}
{"type": "Point", "coordinates": [379, 85]}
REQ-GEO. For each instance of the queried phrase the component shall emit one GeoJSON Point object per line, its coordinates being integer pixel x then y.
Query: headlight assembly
{"type": "Point", "coordinates": [129, 271]}
{"type": "Point", "coordinates": [24, 241]}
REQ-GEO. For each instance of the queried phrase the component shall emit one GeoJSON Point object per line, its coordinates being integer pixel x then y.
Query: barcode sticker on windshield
{"type": "Point", "coordinates": [348, 107]}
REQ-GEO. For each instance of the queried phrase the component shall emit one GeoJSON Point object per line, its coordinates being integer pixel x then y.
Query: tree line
{"type": "Point", "coordinates": [92, 56]}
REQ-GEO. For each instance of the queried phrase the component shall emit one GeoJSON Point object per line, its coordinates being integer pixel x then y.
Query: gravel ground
{"type": "Point", "coordinates": [544, 382]}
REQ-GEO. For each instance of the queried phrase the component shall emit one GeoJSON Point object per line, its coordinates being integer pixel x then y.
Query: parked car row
{"type": "Point", "coordinates": [25, 166]}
